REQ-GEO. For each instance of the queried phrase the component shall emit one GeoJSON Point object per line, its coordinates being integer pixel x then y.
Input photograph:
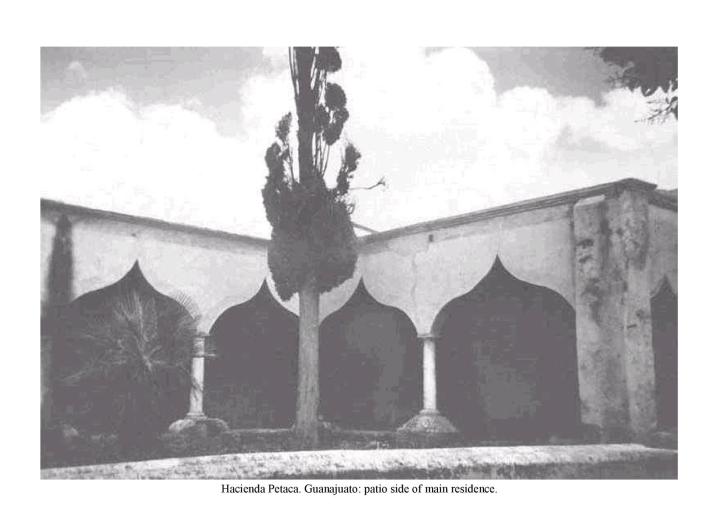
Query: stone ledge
{"type": "Point", "coordinates": [602, 461]}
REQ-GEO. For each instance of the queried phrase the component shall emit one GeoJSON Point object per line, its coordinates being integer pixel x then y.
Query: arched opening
{"type": "Point", "coordinates": [121, 359]}
{"type": "Point", "coordinates": [252, 380]}
{"type": "Point", "coordinates": [506, 361]}
{"type": "Point", "coordinates": [664, 343]}
{"type": "Point", "coordinates": [370, 374]}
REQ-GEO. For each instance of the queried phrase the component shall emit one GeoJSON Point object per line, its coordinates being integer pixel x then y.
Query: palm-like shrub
{"type": "Point", "coordinates": [127, 367]}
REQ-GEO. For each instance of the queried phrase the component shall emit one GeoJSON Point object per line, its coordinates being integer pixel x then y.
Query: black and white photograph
{"type": "Point", "coordinates": [477, 289]}
{"type": "Point", "coordinates": [427, 273]}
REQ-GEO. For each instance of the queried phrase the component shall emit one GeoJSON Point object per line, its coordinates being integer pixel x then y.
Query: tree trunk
{"type": "Point", "coordinates": [46, 412]}
{"type": "Point", "coordinates": [306, 421]}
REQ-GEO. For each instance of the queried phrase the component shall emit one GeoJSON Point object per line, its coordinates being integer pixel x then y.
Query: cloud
{"type": "Point", "coordinates": [277, 56]}
{"type": "Point", "coordinates": [448, 143]}
{"type": "Point", "coordinates": [431, 123]}
{"type": "Point", "coordinates": [164, 161]}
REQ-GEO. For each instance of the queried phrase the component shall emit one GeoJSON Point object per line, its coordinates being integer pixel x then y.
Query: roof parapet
{"type": "Point", "coordinates": [570, 197]}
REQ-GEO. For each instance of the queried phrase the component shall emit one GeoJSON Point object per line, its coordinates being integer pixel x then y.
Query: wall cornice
{"type": "Point", "coordinates": [563, 198]}
{"type": "Point", "coordinates": [64, 208]}
{"type": "Point", "coordinates": [659, 199]}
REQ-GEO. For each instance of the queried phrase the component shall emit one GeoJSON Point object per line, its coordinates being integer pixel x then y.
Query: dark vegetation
{"type": "Point", "coordinates": [647, 69]}
{"type": "Point", "coordinates": [120, 367]}
{"type": "Point", "coordinates": [313, 236]}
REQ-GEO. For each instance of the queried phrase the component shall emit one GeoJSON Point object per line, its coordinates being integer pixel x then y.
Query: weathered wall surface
{"type": "Point", "coordinates": [624, 246]}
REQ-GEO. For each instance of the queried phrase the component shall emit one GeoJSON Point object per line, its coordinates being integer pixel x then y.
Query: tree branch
{"type": "Point", "coordinates": [381, 182]}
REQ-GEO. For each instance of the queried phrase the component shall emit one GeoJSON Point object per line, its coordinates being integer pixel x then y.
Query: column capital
{"type": "Point", "coordinates": [427, 336]}
{"type": "Point", "coordinates": [199, 345]}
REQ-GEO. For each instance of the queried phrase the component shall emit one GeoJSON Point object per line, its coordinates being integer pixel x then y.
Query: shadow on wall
{"type": "Point", "coordinates": [252, 380]}
{"type": "Point", "coordinates": [664, 342]}
{"type": "Point", "coordinates": [370, 372]}
{"type": "Point", "coordinates": [507, 362]}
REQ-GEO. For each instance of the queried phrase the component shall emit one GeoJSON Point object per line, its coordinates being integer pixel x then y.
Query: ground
{"type": "Point", "coordinates": [600, 461]}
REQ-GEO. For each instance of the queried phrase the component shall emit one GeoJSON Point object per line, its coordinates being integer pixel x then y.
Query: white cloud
{"type": "Point", "coordinates": [164, 161]}
{"type": "Point", "coordinates": [432, 124]}
{"type": "Point", "coordinates": [277, 56]}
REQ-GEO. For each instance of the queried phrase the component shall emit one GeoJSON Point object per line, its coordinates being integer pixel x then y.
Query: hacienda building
{"type": "Point", "coordinates": [544, 320]}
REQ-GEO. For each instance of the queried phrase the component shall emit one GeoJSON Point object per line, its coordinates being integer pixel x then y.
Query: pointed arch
{"type": "Point", "coordinates": [93, 327]}
{"type": "Point", "coordinates": [252, 380]}
{"type": "Point", "coordinates": [370, 374]}
{"type": "Point", "coordinates": [226, 302]}
{"type": "Point", "coordinates": [664, 344]}
{"type": "Point", "coordinates": [506, 360]}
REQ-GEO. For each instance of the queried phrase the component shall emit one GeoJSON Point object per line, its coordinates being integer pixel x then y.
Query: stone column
{"type": "Point", "coordinates": [195, 407]}
{"type": "Point", "coordinates": [429, 427]}
{"type": "Point", "coordinates": [429, 368]}
{"type": "Point", "coordinates": [612, 305]}
{"type": "Point", "coordinates": [196, 424]}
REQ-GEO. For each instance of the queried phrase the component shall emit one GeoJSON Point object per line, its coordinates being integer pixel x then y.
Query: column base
{"type": "Point", "coordinates": [194, 435]}
{"type": "Point", "coordinates": [198, 425]}
{"type": "Point", "coordinates": [428, 428]}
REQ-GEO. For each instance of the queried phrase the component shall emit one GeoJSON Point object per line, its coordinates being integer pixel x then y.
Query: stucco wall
{"type": "Point", "coordinates": [418, 270]}
{"type": "Point", "coordinates": [420, 273]}
{"type": "Point", "coordinates": [214, 270]}
{"type": "Point", "coordinates": [417, 273]}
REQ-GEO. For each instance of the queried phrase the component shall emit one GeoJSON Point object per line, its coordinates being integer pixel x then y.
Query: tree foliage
{"type": "Point", "coordinates": [126, 365]}
{"type": "Point", "coordinates": [59, 279]}
{"type": "Point", "coordinates": [313, 236]}
{"type": "Point", "coordinates": [59, 294]}
{"type": "Point", "coordinates": [647, 69]}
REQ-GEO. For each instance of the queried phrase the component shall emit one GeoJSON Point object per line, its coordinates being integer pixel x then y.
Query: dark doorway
{"type": "Point", "coordinates": [506, 361]}
{"type": "Point", "coordinates": [252, 380]}
{"type": "Point", "coordinates": [370, 373]}
{"type": "Point", "coordinates": [664, 342]}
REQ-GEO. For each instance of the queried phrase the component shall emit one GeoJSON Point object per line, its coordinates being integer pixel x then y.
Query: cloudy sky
{"type": "Point", "coordinates": [179, 133]}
